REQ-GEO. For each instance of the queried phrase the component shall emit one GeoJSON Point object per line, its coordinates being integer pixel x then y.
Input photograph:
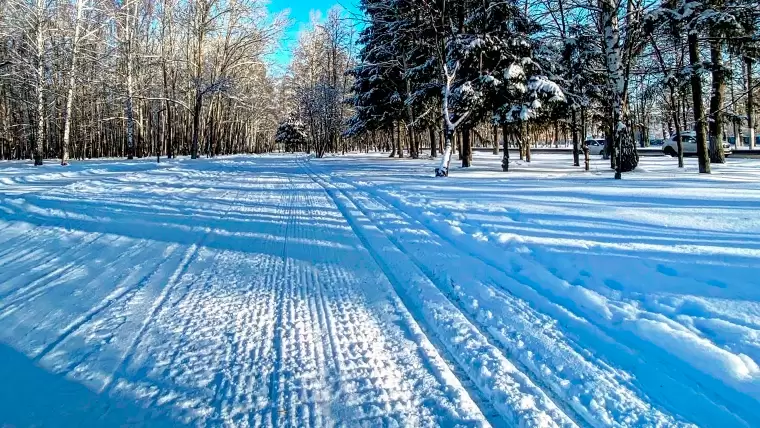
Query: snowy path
{"type": "Point", "coordinates": [245, 299]}
{"type": "Point", "coordinates": [283, 291]}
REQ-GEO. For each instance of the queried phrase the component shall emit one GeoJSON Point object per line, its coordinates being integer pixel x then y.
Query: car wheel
{"type": "Point", "coordinates": [670, 152]}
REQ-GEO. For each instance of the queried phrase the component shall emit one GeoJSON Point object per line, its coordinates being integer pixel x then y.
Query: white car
{"type": "Point", "coordinates": [689, 140]}
{"type": "Point", "coordinates": [595, 146]}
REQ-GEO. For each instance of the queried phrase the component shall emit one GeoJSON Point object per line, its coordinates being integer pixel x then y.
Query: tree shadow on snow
{"type": "Point", "coordinates": [32, 396]}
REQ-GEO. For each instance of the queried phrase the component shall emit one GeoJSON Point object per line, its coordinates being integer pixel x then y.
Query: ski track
{"type": "Point", "coordinates": [273, 292]}
{"type": "Point", "coordinates": [665, 372]}
{"type": "Point", "coordinates": [503, 386]}
{"type": "Point", "coordinates": [365, 206]}
{"type": "Point", "coordinates": [368, 367]}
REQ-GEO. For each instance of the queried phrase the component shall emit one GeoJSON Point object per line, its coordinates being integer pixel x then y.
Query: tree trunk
{"type": "Point", "coordinates": [39, 148]}
{"type": "Point", "coordinates": [496, 139]}
{"type": "Point", "coordinates": [197, 107]}
{"type": "Point", "coordinates": [393, 141]}
{"type": "Point", "coordinates": [168, 132]}
{"type": "Point", "coordinates": [433, 143]}
{"type": "Point", "coordinates": [750, 104]}
{"type": "Point", "coordinates": [505, 157]}
{"type": "Point", "coordinates": [586, 157]}
{"type": "Point", "coordinates": [448, 144]}
{"type": "Point", "coordinates": [625, 157]}
{"type": "Point", "coordinates": [72, 81]}
{"type": "Point", "coordinates": [458, 144]}
{"type": "Point", "coordinates": [525, 139]}
{"type": "Point", "coordinates": [576, 147]}
{"type": "Point", "coordinates": [466, 148]}
{"type": "Point", "coordinates": [677, 123]}
{"type": "Point", "coordinates": [699, 114]}
{"type": "Point", "coordinates": [130, 89]}
{"type": "Point", "coordinates": [716, 101]}
{"type": "Point", "coordinates": [399, 145]}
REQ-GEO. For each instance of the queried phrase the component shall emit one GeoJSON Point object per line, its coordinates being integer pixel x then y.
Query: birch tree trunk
{"type": "Point", "coordinates": [129, 104]}
{"type": "Point", "coordinates": [624, 150]}
{"type": "Point", "coordinates": [197, 106]}
{"type": "Point", "coordinates": [71, 83]}
{"type": "Point", "coordinates": [166, 29]}
{"type": "Point", "coordinates": [750, 104]}
{"type": "Point", "coordinates": [39, 147]}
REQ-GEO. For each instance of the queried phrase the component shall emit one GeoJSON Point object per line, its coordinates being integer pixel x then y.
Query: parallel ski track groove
{"type": "Point", "coordinates": [481, 400]}
{"type": "Point", "coordinates": [282, 306]}
{"type": "Point", "coordinates": [606, 332]}
{"type": "Point", "coordinates": [501, 289]}
{"type": "Point", "coordinates": [13, 249]}
{"type": "Point", "coordinates": [446, 291]}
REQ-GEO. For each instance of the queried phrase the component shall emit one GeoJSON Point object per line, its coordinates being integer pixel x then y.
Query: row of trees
{"type": "Point", "coordinates": [426, 65]}
{"type": "Point", "coordinates": [91, 78]}
{"type": "Point", "coordinates": [316, 83]}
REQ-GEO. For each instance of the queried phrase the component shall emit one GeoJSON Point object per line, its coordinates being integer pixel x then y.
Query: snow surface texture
{"type": "Point", "coordinates": [360, 291]}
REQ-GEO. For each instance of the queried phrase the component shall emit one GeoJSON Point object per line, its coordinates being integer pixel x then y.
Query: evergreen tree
{"type": "Point", "coordinates": [291, 135]}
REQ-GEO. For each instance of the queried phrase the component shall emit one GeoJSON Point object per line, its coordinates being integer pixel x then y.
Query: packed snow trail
{"type": "Point", "coordinates": [288, 291]}
{"type": "Point", "coordinates": [243, 299]}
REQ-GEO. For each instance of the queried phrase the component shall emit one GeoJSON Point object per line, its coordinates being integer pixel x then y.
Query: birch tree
{"type": "Point", "coordinates": [81, 5]}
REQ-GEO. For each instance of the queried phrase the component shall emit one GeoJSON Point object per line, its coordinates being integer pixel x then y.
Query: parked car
{"type": "Point", "coordinates": [689, 140]}
{"type": "Point", "coordinates": [656, 142]}
{"type": "Point", "coordinates": [595, 146]}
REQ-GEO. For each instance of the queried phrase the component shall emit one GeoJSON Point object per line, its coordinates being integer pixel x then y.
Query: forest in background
{"type": "Point", "coordinates": [134, 78]}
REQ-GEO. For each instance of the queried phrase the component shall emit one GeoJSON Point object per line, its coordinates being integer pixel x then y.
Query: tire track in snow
{"type": "Point", "coordinates": [510, 394]}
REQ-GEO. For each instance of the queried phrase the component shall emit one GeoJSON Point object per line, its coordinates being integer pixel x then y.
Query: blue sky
{"type": "Point", "coordinates": [300, 11]}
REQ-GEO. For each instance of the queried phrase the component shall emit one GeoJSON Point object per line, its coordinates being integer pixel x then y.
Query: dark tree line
{"type": "Point", "coordinates": [453, 70]}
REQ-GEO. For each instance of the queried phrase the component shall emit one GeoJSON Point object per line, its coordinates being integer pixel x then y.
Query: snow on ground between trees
{"type": "Point", "coordinates": [285, 290]}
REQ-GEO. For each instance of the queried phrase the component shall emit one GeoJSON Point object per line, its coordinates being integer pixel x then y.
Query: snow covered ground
{"type": "Point", "coordinates": [288, 291]}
